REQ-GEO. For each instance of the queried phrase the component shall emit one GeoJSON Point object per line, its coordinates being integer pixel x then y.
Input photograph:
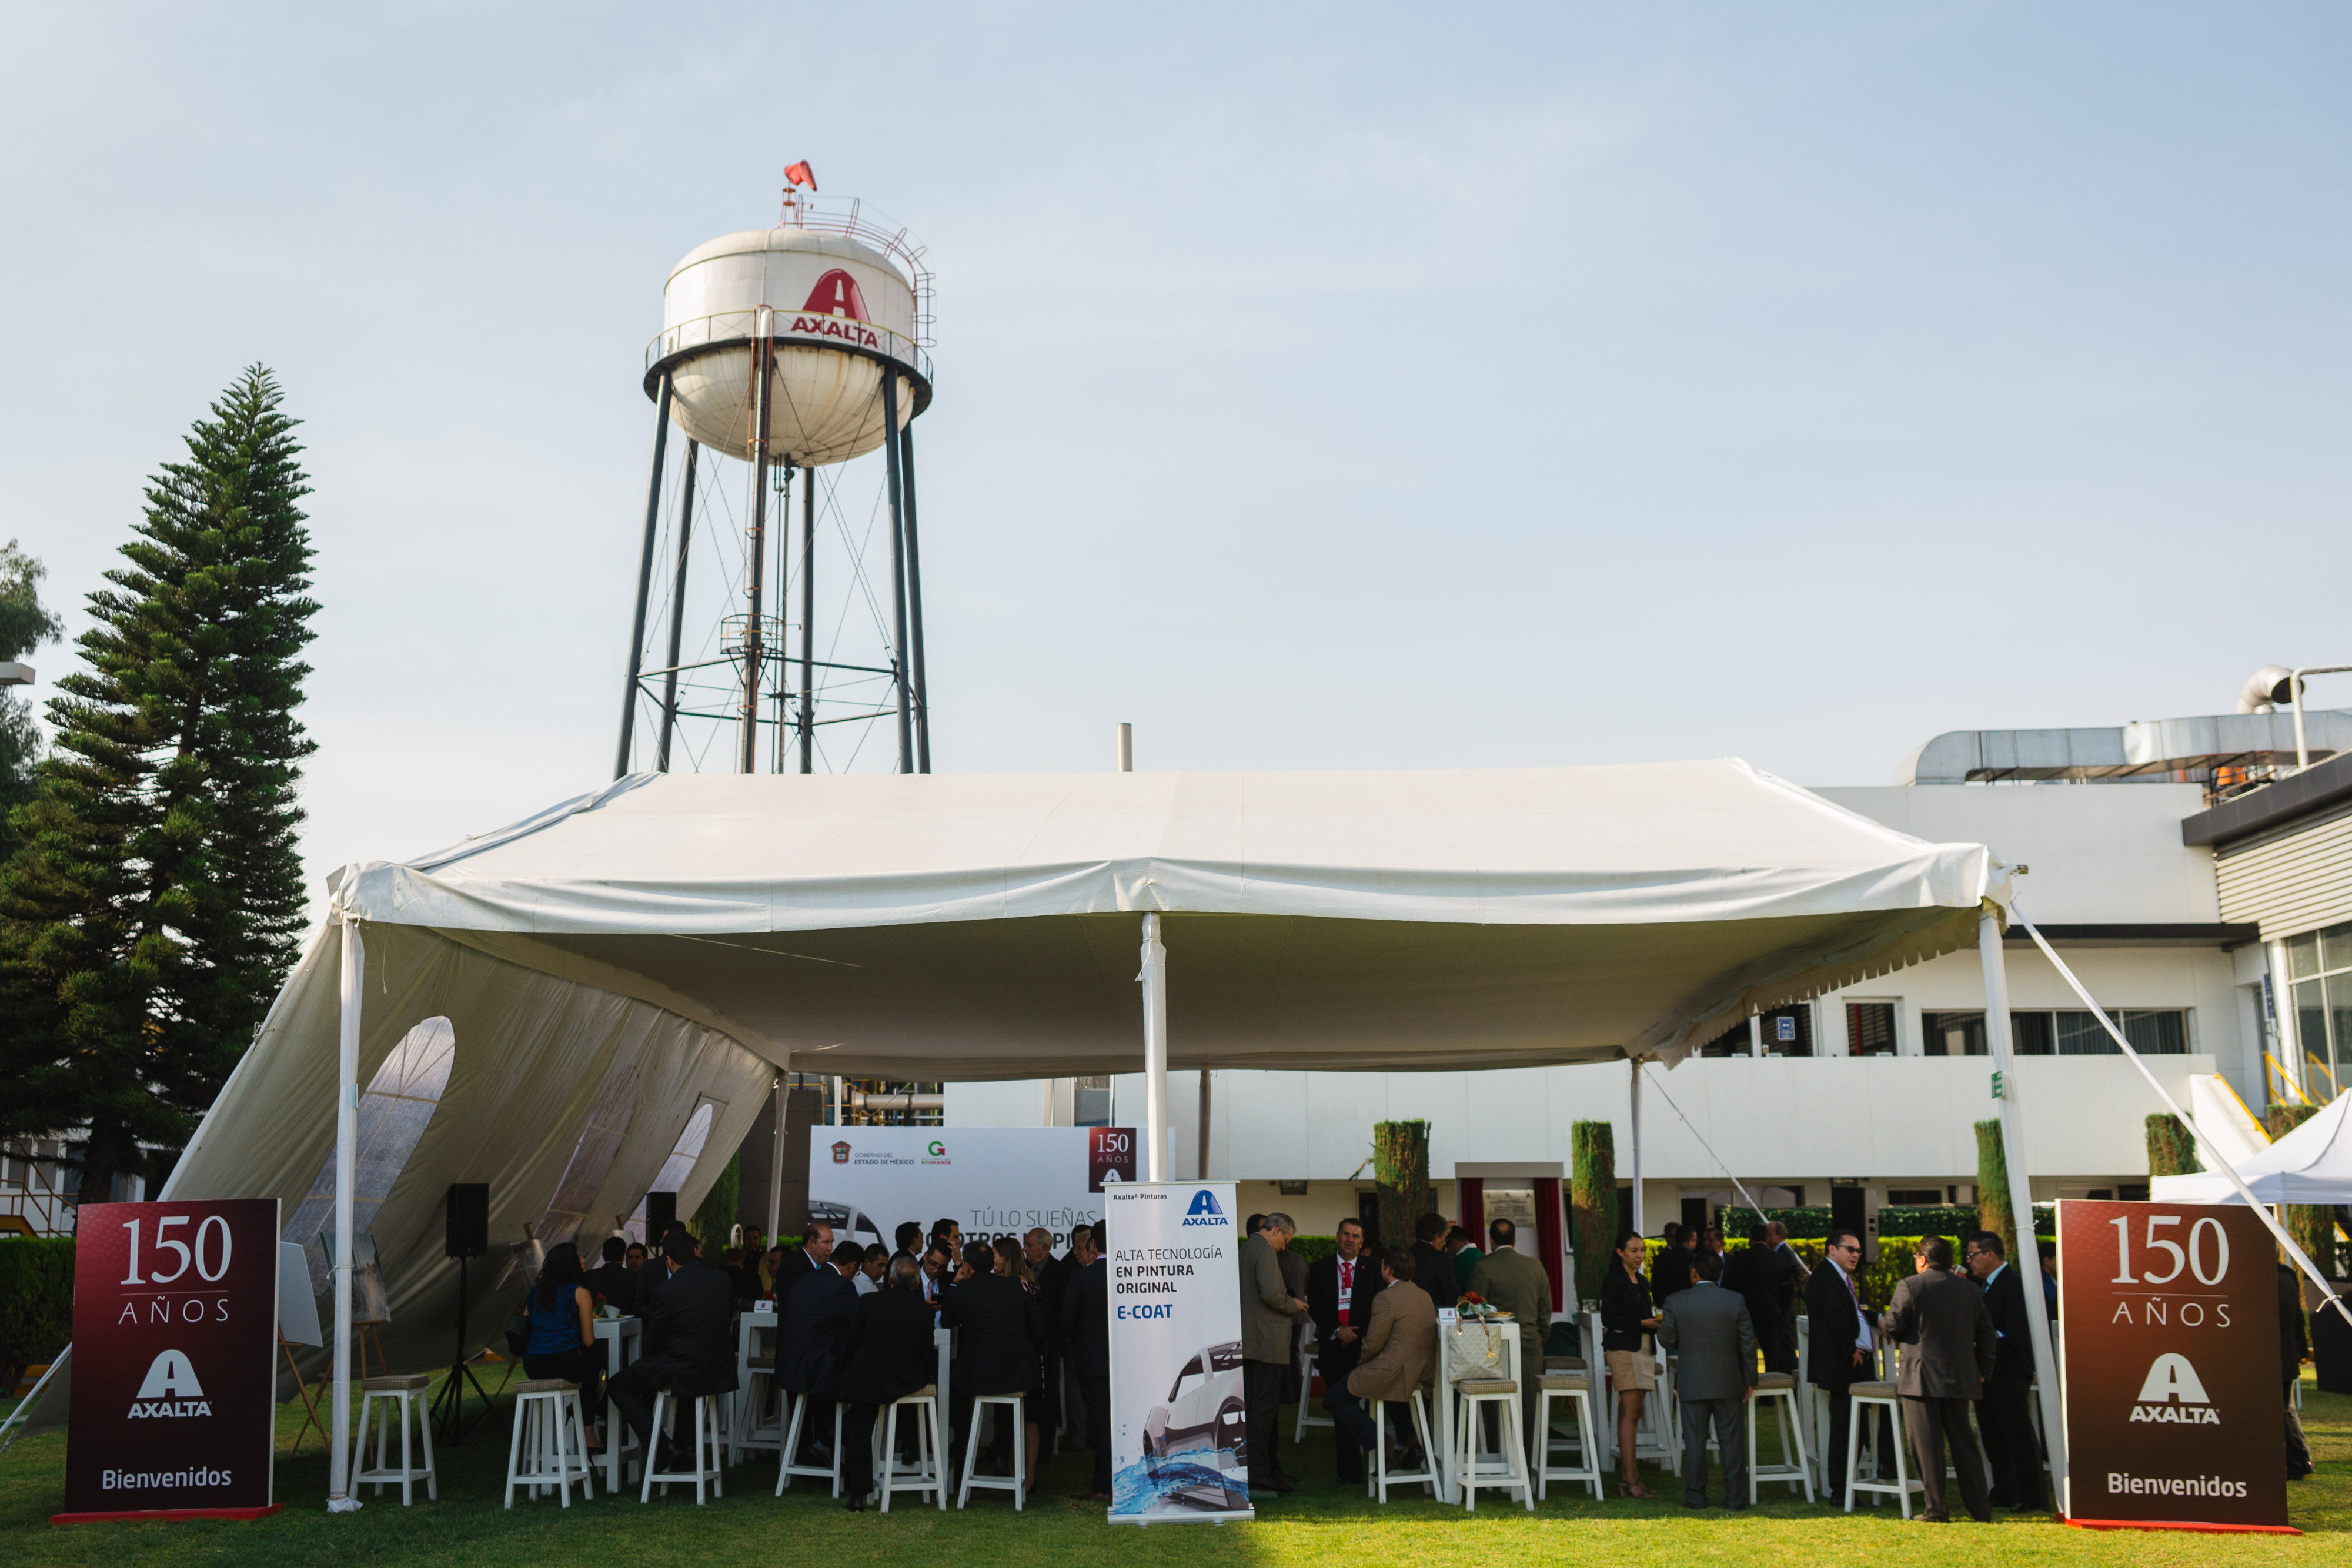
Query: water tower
{"type": "Point", "coordinates": [784, 351]}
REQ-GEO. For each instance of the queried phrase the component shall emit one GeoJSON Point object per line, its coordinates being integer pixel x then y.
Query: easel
{"type": "Point", "coordinates": [309, 1406]}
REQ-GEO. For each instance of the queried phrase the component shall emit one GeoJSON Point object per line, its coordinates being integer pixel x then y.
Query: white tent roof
{"type": "Point", "coordinates": [2312, 1164]}
{"type": "Point", "coordinates": [614, 962]}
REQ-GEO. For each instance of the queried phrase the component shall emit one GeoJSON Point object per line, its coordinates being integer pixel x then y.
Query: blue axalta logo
{"type": "Point", "coordinates": [1205, 1210]}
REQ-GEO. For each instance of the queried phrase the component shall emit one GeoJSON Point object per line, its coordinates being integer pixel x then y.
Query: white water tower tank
{"type": "Point", "coordinates": [843, 301]}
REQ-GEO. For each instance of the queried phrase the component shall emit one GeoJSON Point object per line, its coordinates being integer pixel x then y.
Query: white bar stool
{"type": "Point", "coordinates": [1877, 1401]}
{"type": "Point", "coordinates": [786, 1468]}
{"type": "Point", "coordinates": [406, 1393]}
{"type": "Point", "coordinates": [1017, 1483]}
{"type": "Point", "coordinates": [747, 1430]}
{"type": "Point", "coordinates": [707, 1453]}
{"type": "Point", "coordinates": [1574, 1389]}
{"type": "Point", "coordinates": [1309, 1364]}
{"type": "Point", "coordinates": [1780, 1388]}
{"type": "Point", "coordinates": [923, 1405]}
{"type": "Point", "coordinates": [1378, 1476]}
{"type": "Point", "coordinates": [1506, 1471]}
{"type": "Point", "coordinates": [549, 1448]}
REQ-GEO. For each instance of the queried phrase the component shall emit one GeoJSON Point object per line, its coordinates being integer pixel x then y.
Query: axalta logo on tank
{"type": "Point", "coordinates": [2170, 1380]}
{"type": "Point", "coordinates": [835, 309]}
{"type": "Point", "coordinates": [171, 1389]}
{"type": "Point", "coordinates": [1205, 1210]}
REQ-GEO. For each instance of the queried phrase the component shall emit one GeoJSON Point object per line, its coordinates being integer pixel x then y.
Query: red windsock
{"type": "Point", "coordinates": [800, 174]}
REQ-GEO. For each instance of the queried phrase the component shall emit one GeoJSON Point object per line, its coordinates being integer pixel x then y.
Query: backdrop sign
{"type": "Point", "coordinates": [2167, 1331]}
{"type": "Point", "coordinates": [174, 1321]}
{"type": "Point", "coordinates": [992, 1181]}
{"type": "Point", "coordinates": [1178, 1448]}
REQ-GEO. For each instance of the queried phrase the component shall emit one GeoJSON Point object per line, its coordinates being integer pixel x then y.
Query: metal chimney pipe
{"type": "Point", "coordinates": [1127, 748]}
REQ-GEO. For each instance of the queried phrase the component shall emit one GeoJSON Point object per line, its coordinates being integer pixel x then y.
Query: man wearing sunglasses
{"type": "Point", "coordinates": [1840, 1350]}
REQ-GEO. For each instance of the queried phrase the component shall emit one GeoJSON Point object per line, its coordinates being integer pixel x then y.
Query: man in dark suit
{"type": "Point", "coordinates": [1432, 1270]}
{"type": "Point", "coordinates": [1673, 1272]}
{"type": "Point", "coordinates": [612, 1280]}
{"type": "Point", "coordinates": [1339, 1291]}
{"type": "Point", "coordinates": [909, 1237]}
{"type": "Point", "coordinates": [893, 1357]}
{"type": "Point", "coordinates": [1708, 1329]}
{"type": "Point", "coordinates": [688, 1342]}
{"type": "Point", "coordinates": [1052, 1277]}
{"type": "Point", "coordinates": [2293, 1345]}
{"type": "Point", "coordinates": [1940, 1321]}
{"type": "Point", "coordinates": [1002, 1331]}
{"type": "Point", "coordinates": [1785, 1276]}
{"type": "Point", "coordinates": [817, 1328]}
{"type": "Point", "coordinates": [1840, 1345]}
{"type": "Point", "coordinates": [809, 1257]}
{"type": "Point", "coordinates": [1086, 1330]}
{"type": "Point", "coordinates": [2005, 1414]}
{"type": "Point", "coordinates": [1752, 1274]}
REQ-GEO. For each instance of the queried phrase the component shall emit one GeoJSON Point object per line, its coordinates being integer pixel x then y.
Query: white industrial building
{"type": "Point", "coordinates": [1880, 1085]}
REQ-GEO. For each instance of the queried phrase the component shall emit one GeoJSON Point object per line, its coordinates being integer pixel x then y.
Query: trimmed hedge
{"type": "Point", "coordinates": [1948, 1220]}
{"type": "Point", "coordinates": [36, 1302]}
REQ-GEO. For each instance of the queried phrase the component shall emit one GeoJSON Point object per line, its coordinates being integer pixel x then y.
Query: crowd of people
{"type": "Point", "coordinates": [854, 1334]}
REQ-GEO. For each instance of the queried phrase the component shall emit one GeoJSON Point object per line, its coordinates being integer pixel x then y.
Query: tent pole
{"type": "Point", "coordinates": [1638, 1227]}
{"type": "Point", "coordinates": [2011, 1112]}
{"type": "Point", "coordinates": [776, 1168]}
{"type": "Point", "coordinates": [1155, 1051]}
{"type": "Point", "coordinates": [347, 1139]}
{"type": "Point", "coordinates": [1202, 1172]}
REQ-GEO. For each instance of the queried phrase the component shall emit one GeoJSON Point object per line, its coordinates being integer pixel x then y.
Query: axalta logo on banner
{"type": "Point", "coordinates": [171, 1389]}
{"type": "Point", "coordinates": [2171, 1378]}
{"type": "Point", "coordinates": [1205, 1210]}
{"type": "Point", "coordinates": [836, 309]}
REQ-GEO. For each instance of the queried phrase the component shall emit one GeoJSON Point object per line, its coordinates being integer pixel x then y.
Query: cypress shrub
{"type": "Point", "coordinates": [1994, 1211]}
{"type": "Point", "coordinates": [1592, 1203]}
{"type": "Point", "coordinates": [1401, 1167]}
{"type": "Point", "coordinates": [35, 1304]}
{"type": "Point", "coordinates": [2171, 1149]}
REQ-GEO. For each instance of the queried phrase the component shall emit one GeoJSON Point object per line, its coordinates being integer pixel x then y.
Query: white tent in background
{"type": "Point", "coordinates": [2311, 1164]}
{"type": "Point", "coordinates": [631, 964]}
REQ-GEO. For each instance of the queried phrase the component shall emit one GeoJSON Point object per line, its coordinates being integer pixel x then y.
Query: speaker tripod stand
{"type": "Point", "coordinates": [448, 1410]}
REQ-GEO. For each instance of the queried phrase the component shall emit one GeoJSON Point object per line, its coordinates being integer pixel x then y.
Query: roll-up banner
{"type": "Point", "coordinates": [2169, 1334]}
{"type": "Point", "coordinates": [175, 1332]}
{"type": "Point", "coordinates": [1178, 1451]}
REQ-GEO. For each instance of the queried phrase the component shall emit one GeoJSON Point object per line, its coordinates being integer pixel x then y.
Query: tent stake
{"type": "Point", "coordinates": [2010, 1108]}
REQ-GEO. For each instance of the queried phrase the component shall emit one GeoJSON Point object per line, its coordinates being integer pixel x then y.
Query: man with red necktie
{"type": "Point", "coordinates": [1339, 1291]}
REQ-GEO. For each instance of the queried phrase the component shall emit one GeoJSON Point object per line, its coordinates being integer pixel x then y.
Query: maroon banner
{"type": "Point", "coordinates": [1110, 1155]}
{"type": "Point", "coordinates": [2167, 1331]}
{"type": "Point", "coordinates": [175, 1332]}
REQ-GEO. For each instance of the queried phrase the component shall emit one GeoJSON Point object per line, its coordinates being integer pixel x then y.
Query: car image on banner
{"type": "Point", "coordinates": [1201, 1427]}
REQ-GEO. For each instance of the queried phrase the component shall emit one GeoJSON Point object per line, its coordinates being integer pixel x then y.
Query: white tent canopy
{"type": "Point", "coordinates": [2311, 1165]}
{"type": "Point", "coordinates": [612, 964]}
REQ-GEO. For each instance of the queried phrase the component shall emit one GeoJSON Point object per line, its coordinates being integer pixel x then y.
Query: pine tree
{"type": "Point", "coordinates": [156, 904]}
{"type": "Point", "coordinates": [25, 625]}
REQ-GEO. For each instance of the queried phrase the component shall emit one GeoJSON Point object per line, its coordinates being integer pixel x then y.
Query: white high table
{"type": "Point", "coordinates": [620, 1337]}
{"type": "Point", "coordinates": [1452, 1365]}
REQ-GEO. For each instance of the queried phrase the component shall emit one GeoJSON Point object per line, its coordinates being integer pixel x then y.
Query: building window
{"type": "Point", "coordinates": [1090, 1101]}
{"type": "Point", "coordinates": [2153, 1032]}
{"type": "Point", "coordinates": [2319, 964]}
{"type": "Point", "coordinates": [1870, 1028]}
{"type": "Point", "coordinates": [1787, 1031]}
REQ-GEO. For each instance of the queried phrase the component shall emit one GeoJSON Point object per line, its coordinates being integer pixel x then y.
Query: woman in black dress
{"type": "Point", "coordinates": [1626, 1320]}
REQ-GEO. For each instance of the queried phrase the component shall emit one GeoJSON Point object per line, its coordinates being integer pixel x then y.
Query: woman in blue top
{"type": "Point", "coordinates": [563, 1342]}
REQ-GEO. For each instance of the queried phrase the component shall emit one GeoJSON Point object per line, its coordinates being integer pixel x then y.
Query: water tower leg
{"type": "Point", "coordinates": [899, 659]}
{"type": "Point", "coordinates": [645, 584]}
{"type": "Point", "coordinates": [678, 610]}
{"type": "Point", "coordinates": [915, 607]}
{"type": "Point", "coordinates": [751, 747]}
{"type": "Point", "coordinates": [808, 622]}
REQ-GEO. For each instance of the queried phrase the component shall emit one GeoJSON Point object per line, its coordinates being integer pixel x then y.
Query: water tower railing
{"type": "Point", "coordinates": [742, 326]}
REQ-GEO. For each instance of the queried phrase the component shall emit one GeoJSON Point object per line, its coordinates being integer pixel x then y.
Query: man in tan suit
{"type": "Point", "coordinates": [1267, 1310]}
{"type": "Point", "coordinates": [1399, 1355]}
{"type": "Point", "coordinates": [1515, 1284]}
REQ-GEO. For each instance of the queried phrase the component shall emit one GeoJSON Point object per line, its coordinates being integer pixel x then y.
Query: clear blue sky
{"type": "Point", "coordinates": [1346, 387]}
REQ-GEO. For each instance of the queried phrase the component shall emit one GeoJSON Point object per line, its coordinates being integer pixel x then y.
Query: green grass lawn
{"type": "Point", "coordinates": [1322, 1522]}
